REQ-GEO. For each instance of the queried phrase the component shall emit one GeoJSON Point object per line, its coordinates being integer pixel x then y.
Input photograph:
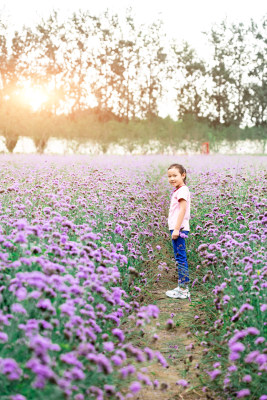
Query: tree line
{"type": "Point", "coordinates": [109, 68]}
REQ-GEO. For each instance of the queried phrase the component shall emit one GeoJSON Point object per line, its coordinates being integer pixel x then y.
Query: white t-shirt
{"type": "Point", "coordinates": [181, 193]}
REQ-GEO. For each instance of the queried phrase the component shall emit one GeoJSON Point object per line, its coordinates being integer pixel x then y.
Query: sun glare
{"type": "Point", "coordinates": [35, 97]}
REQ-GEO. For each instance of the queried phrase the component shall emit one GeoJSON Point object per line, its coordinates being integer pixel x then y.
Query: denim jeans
{"type": "Point", "coordinates": [179, 250]}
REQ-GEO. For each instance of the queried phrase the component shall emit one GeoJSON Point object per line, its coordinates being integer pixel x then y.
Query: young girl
{"type": "Point", "coordinates": [178, 222]}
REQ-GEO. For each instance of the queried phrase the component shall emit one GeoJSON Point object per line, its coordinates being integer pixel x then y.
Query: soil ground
{"type": "Point", "coordinates": [172, 344]}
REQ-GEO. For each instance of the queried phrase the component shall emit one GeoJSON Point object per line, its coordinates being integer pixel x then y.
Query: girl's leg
{"type": "Point", "coordinates": [179, 249]}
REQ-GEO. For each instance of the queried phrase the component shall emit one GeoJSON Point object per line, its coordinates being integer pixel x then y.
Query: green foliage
{"type": "Point", "coordinates": [156, 135]}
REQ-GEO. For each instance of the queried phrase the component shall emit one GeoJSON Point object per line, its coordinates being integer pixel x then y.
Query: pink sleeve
{"type": "Point", "coordinates": [182, 193]}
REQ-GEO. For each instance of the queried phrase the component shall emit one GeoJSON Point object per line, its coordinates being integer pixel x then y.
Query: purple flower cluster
{"type": "Point", "coordinates": [73, 233]}
{"type": "Point", "coordinates": [229, 235]}
{"type": "Point", "coordinates": [77, 237]}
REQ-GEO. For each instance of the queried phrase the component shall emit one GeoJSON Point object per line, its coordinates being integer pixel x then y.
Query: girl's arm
{"type": "Point", "coordinates": [180, 218]}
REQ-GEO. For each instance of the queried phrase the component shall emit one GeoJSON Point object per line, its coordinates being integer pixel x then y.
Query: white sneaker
{"type": "Point", "coordinates": [183, 294]}
{"type": "Point", "coordinates": [178, 293]}
{"type": "Point", "coordinates": [171, 292]}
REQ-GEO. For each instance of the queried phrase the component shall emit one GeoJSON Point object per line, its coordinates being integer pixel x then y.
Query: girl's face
{"type": "Point", "coordinates": [175, 177]}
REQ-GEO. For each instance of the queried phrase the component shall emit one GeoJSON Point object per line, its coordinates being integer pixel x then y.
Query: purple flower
{"type": "Point", "coordinates": [253, 331]}
{"type": "Point", "coordinates": [108, 346]}
{"type": "Point", "coordinates": [261, 359]}
{"type": "Point", "coordinates": [252, 356]}
{"type": "Point", "coordinates": [109, 389]}
{"type": "Point", "coordinates": [70, 358]}
{"type": "Point", "coordinates": [128, 370]}
{"type": "Point", "coordinates": [247, 378]}
{"type": "Point", "coordinates": [216, 365]}
{"type": "Point", "coordinates": [259, 340]}
{"type": "Point", "coordinates": [21, 238]}
{"type": "Point", "coordinates": [67, 308]}
{"type": "Point", "coordinates": [79, 396]}
{"type": "Point", "coordinates": [45, 304]}
{"type": "Point", "coordinates": [242, 393]}
{"type": "Point", "coordinates": [182, 382]}
{"type": "Point", "coordinates": [226, 299]}
{"type": "Point", "coordinates": [10, 368]}
{"type": "Point", "coordinates": [155, 337]}
{"type": "Point", "coordinates": [104, 364]}
{"type": "Point", "coordinates": [182, 235]}
{"type": "Point", "coordinates": [135, 387]}
{"type": "Point", "coordinates": [226, 381]}
{"type": "Point", "coordinates": [169, 324]}
{"type": "Point", "coordinates": [236, 347]}
{"type": "Point", "coordinates": [118, 229]}
{"type": "Point", "coordinates": [21, 294]}
{"type": "Point", "coordinates": [34, 294]}
{"type": "Point", "coordinates": [43, 372]}
{"type": "Point", "coordinates": [161, 359]}
{"type": "Point", "coordinates": [156, 383]}
{"type": "Point", "coordinates": [18, 308]}
{"type": "Point", "coordinates": [238, 335]}
{"type": "Point", "coordinates": [116, 360]}
{"type": "Point", "coordinates": [232, 368]}
{"type": "Point", "coordinates": [263, 307]}
{"type": "Point", "coordinates": [3, 337]}
{"type": "Point", "coordinates": [234, 356]}
{"type": "Point", "coordinates": [144, 378]}
{"type": "Point", "coordinates": [77, 374]}
{"type": "Point", "coordinates": [246, 307]}
{"type": "Point", "coordinates": [149, 353]}
{"type": "Point", "coordinates": [119, 334]}
{"type": "Point", "coordinates": [213, 374]}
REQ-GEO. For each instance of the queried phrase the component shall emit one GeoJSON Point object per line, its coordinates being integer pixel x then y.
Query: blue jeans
{"type": "Point", "coordinates": [179, 250]}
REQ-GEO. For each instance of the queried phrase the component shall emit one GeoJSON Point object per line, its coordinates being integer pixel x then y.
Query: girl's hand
{"type": "Point", "coordinates": [175, 234]}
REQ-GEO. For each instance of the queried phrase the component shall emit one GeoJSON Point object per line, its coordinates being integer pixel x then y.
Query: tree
{"type": "Point", "coordinates": [258, 74]}
{"type": "Point", "coordinates": [12, 64]}
{"type": "Point", "coordinates": [102, 56]}
{"type": "Point", "coordinates": [126, 66]}
{"type": "Point", "coordinates": [3, 61]}
{"type": "Point", "coordinates": [153, 68]}
{"type": "Point", "coordinates": [220, 77]}
{"type": "Point", "coordinates": [79, 72]}
{"type": "Point", "coordinates": [49, 68]}
{"type": "Point", "coordinates": [239, 60]}
{"type": "Point", "coordinates": [189, 81]}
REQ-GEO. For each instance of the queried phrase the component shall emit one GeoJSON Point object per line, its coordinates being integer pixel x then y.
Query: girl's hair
{"type": "Point", "coordinates": [180, 168]}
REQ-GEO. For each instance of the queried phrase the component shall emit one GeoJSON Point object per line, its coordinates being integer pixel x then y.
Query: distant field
{"type": "Point", "coordinates": [68, 147]}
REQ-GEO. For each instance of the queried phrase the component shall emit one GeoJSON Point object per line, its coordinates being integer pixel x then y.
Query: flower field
{"type": "Point", "coordinates": [82, 237]}
{"type": "Point", "coordinates": [229, 244]}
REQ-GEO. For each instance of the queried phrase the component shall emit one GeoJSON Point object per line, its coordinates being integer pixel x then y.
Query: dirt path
{"type": "Point", "coordinates": [173, 345]}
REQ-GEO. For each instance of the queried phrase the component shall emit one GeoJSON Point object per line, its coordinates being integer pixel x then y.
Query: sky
{"type": "Point", "coordinates": [183, 19]}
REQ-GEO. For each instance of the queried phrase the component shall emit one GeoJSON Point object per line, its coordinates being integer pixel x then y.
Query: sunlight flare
{"type": "Point", "coordinates": [34, 96]}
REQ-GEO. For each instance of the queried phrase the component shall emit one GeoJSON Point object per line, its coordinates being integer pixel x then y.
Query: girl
{"type": "Point", "coordinates": [178, 222]}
